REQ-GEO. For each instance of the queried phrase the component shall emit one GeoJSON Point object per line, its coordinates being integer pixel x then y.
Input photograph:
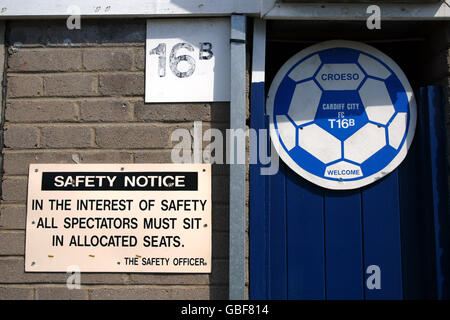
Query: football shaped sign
{"type": "Point", "coordinates": [342, 114]}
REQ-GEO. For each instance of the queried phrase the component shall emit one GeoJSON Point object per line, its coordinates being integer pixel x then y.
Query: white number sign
{"type": "Point", "coordinates": [187, 60]}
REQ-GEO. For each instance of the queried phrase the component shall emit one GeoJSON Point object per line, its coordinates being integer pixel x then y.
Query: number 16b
{"type": "Point", "coordinates": [205, 53]}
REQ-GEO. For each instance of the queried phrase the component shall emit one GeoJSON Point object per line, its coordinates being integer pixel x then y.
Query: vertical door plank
{"type": "Point", "coordinates": [439, 191]}
{"type": "Point", "coordinates": [382, 241]}
{"type": "Point", "coordinates": [426, 227]}
{"type": "Point", "coordinates": [305, 239]}
{"type": "Point", "coordinates": [258, 206]}
{"type": "Point", "coordinates": [343, 245]}
{"type": "Point", "coordinates": [418, 282]}
{"type": "Point", "coordinates": [277, 230]}
{"type": "Point", "coordinates": [258, 236]}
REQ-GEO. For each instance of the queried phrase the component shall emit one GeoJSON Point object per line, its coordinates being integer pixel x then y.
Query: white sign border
{"type": "Point", "coordinates": [35, 174]}
{"type": "Point", "coordinates": [219, 79]}
{"type": "Point", "coordinates": [330, 184]}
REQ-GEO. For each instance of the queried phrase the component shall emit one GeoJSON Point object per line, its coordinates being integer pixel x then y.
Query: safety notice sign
{"type": "Point", "coordinates": [119, 218]}
{"type": "Point", "coordinates": [342, 114]}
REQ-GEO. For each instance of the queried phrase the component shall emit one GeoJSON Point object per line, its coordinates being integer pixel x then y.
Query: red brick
{"type": "Point", "coordinates": [17, 137]}
{"type": "Point", "coordinates": [41, 111]}
{"type": "Point", "coordinates": [24, 86]}
{"type": "Point", "coordinates": [44, 60]}
{"type": "Point", "coordinates": [13, 217]}
{"type": "Point", "coordinates": [70, 85]}
{"type": "Point", "coordinates": [127, 84]}
{"type": "Point", "coordinates": [109, 110]}
{"type": "Point", "coordinates": [65, 137]}
{"type": "Point", "coordinates": [107, 59]}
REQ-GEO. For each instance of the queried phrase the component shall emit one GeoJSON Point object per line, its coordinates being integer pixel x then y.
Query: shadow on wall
{"type": "Point", "coordinates": [55, 32]}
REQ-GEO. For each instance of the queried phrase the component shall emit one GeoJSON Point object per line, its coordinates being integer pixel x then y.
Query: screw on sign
{"type": "Point", "coordinates": [342, 114]}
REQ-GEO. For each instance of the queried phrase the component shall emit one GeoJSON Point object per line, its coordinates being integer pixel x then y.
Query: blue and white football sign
{"type": "Point", "coordinates": [342, 114]}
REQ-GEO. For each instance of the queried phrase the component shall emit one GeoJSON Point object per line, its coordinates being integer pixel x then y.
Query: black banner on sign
{"type": "Point", "coordinates": [120, 181]}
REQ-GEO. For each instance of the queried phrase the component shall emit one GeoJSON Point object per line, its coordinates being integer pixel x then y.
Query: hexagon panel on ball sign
{"type": "Point", "coordinates": [321, 144]}
{"type": "Point", "coordinates": [377, 102]}
{"type": "Point", "coordinates": [342, 114]}
{"type": "Point", "coordinates": [304, 102]}
{"type": "Point", "coordinates": [364, 143]}
{"type": "Point", "coordinates": [340, 76]}
{"type": "Point", "coordinates": [287, 131]}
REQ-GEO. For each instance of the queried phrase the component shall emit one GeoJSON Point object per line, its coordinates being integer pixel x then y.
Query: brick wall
{"type": "Point", "coordinates": [77, 96]}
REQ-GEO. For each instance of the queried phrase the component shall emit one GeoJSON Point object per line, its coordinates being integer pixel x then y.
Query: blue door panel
{"type": "Point", "coordinates": [277, 236]}
{"type": "Point", "coordinates": [305, 240]}
{"type": "Point", "coordinates": [382, 242]}
{"type": "Point", "coordinates": [259, 204]}
{"type": "Point", "coordinates": [343, 247]}
{"type": "Point", "coordinates": [439, 188]}
{"type": "Point", "coordinates": [416, 264]}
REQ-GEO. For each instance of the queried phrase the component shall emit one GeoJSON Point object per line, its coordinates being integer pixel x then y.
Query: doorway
{"type": "Point", "coordinates": [308, 242]}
